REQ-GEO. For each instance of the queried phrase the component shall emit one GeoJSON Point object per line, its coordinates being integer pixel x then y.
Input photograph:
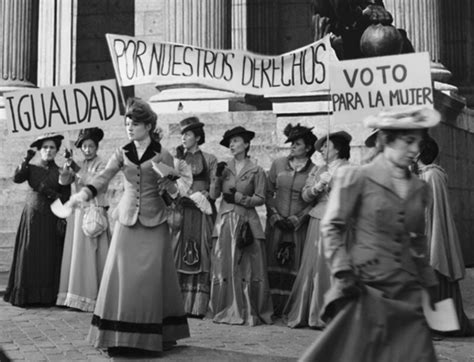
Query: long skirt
{"type": "Point", "coordinates": [385, 324]}
{"type": "Point", "coordinates": [34, 274]}
{"type": "Point", "coordinates": [312, 282]}
{"type": "Point", "coordinates": [192, 248]}
{"type": "Point", "coordinates": [449, 289]}
{"type": "Point", "coordinates": [281, 276]}
{"type": "Point", "coordinates": [139, 303]}
{"type": "Point", "coordinates": [82, 265]}
{"type": "Point", "coordinates": [239, 286]}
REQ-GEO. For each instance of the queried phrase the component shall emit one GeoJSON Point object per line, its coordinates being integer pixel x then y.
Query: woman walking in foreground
{"type": "Point", "coordinates": [374, 304]}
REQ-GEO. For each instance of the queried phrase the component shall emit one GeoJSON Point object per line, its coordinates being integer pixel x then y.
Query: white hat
{"type": "Point", "coordinates": [409, 119]}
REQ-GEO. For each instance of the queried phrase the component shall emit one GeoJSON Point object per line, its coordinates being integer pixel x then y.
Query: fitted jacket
{"type": "Point", "coordinates": [250, 184]}
{"type": "Point", "coordinates": [141, 199]}
{"type": "Point", "coordinates": [388, 231]}
{"type": "Point", "coordinates": [284, 186]}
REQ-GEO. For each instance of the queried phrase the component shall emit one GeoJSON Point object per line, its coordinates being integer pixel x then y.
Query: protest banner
{"type": "Point", "coordinates": [63, 108]}
{"type": "Point", "coordinates": [138, 61]}
{"type": "Point", "coordinates": [366, 86]}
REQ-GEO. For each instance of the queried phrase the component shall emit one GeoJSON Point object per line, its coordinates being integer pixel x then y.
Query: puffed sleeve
{"type": "Point", "coordinates": [342, 203]}
{"type": "Point", "coordinates": [258, 197]}
{"type": "Point", "coordinates": [99, 182]}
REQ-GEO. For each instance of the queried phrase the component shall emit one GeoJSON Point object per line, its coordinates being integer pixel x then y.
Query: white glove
{"type": "Point", "coordinates": [324, 180]}
{"type": "Point", "coordinates": [80, 197]}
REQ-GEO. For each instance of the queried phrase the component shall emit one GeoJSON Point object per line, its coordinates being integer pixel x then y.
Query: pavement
{"type": "Point", "coordinates": [59, 334]}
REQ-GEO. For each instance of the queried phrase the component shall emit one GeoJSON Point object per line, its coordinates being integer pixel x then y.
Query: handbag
{"type": "Point", "coordinates": [244, 236]}
{"type": "Point", "coordinates": [94, 221]}
{"type": "Point", "coordinates": [174, 215]}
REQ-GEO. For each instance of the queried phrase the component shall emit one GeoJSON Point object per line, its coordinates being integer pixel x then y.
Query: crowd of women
{"type": "Point", "coordinates": [339, 239]}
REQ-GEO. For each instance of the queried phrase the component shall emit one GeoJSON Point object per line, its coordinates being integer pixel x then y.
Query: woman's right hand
{"type": "Point", "coordinates": [29, 155]}
{"type": "Point", "coordinates": [78, 198]}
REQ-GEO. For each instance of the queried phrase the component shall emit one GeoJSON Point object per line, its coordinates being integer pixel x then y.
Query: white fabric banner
{"type": "Point", "coordinates": [138, 61]}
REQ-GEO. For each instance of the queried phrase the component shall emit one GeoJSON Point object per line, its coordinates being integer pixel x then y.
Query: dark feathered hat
{"type": "Point", "coordinates": [237, 131]}
{"type": "Point", "coordinates": [293, 133]}
{"type": "Point", "coordinates": [56, 138]}
{"type": "Point", "coordinates": [95, 134]}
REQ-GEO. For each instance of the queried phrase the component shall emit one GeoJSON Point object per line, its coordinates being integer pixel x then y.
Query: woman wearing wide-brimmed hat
{"type": "Point", "coordinates": [239, 285]}
{"type": "Point", "coordinates": [34, 274]}
{"type": "Point", "coordinates": [287, 213]}
{"type": "Point", "coordinates": [313, 279]}
{"type": "Point", "coordinates": [374, 306]}
{"type": "Point", "coordinates": [139, 304]}
{"type": "Point", "coordinates": [193, 241]}
{"type": "Point", "coordinates": [84, 255]}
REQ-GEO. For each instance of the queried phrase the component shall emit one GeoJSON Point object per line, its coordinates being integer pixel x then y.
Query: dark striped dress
{"type": "Point", "coordinates": [34, 275]}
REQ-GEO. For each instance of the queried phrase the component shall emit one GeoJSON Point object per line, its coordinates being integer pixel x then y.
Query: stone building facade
{"type": "Point", "coordinates": [55, 42]}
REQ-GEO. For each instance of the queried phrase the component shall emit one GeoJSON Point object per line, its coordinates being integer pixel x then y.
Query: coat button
{"type": "Point", "coordinates": [397, 253]}
{"type": "Point", "coordinates": [398, 260]}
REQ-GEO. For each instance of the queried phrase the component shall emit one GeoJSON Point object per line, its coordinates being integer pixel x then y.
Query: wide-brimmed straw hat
{"type": "Point", "coordinates": [237, 131]}
{"type": "Point", "coordinates": [341, 134]}
{"type": "Point", "coordinates": [95, 134]}
{"type": "Point", "coordinates": [418, 118]}
{"type": "Point", "coordinates": [56, 138]}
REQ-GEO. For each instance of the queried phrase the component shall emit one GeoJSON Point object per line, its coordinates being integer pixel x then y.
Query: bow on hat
{"type": "Point", "coordinates": [296, 132]}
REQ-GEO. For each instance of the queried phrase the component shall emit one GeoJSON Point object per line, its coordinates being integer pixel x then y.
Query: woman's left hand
{"type": "Point", "coordinates": [165, 184]}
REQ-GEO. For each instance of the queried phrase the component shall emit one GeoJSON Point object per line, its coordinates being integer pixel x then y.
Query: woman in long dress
{"type": "Point", "coordinates": [34, 274]}
{"type": "Point", "coordinates": [139, 304]}
{"type": "Point", "coordinates": [239, 285]}
{"type": "Point", "coordinates": [314, 279]}
{"type": "Point", "coordinates": [375, 302]}
{"type": "Point", "coordinates": [287, 213]}
{"type": "Point", "coordinates": [192, 243]}
{"type": "Point", "coordinates": [84, 256]}
{"type": "Point", "coordinates": [445, 252]}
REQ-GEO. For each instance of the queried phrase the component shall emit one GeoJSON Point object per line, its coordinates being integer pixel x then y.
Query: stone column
{"type": "Point", "coordinates": [239, 24]}
{"type": "Point", "coordinates": [204, 23]}
{"type": "Point", "coordinates": [421, 20]}
{"type": "Point", "coordinates": [255, 25]}
{"type": "Point", "coordinates": [17, 43]}
{"type": "Point", "coordinates": [56, 42]}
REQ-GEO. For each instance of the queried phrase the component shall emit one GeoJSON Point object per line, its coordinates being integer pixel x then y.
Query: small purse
{"type": "Point", "coordinates": [244, 236]}
{"type": "Point", "coordinates": [94, 222]}
{"type": "Point", "coordinates": [174, 215]}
